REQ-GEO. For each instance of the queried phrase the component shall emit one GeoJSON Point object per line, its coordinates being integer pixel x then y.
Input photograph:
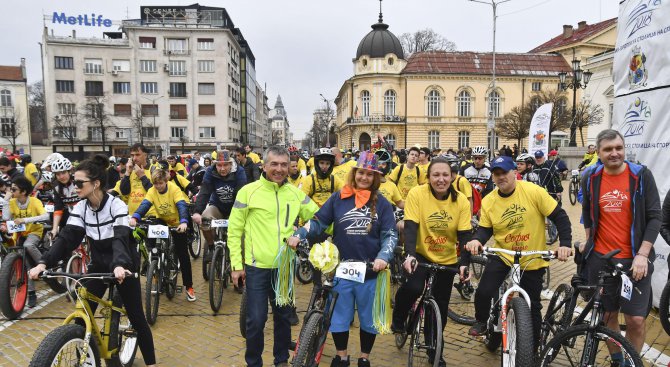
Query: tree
{"type": "Point", "coordinates": [37, 112]}
{"type": "Point", "coordinates": [11, 129]}
{"type": "Point", "coordinates": [588, 114]}
{"type": "Point", "coordinates": [515, 124]}
{"type": "Point", "coordinates": [425, 40]}
{"type": "Point", "coordinates": [98, 119]}
{"type": "Point", "coordinates": [321, 127]}
{"type": "Point", "coordinates": [560, 115]}
{"type": "Point", "coordinates": [66, 126]}
{"type": "Point", "coordinates": [139, 123]}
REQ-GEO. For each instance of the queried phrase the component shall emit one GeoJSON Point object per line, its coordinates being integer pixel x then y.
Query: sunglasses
{"type": "Point", "coordinates": [80, 183]}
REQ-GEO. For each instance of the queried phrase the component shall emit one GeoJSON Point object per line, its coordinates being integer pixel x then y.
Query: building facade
{"type": "Point", "coordinates": [14, 118]}
{"type": "Point", "coordinates": [280, 124]}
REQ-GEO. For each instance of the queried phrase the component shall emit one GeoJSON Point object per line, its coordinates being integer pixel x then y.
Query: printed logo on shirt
{"type": "Point", "coordinates": [439, 220]}
{"type": "Point", "coordinates": [513, 215]}
{"type": "Point", "coordinates": [225, 193]}
{"type": "Point", "coordinates": [356, 221]}
{"type": "Point", "coordinates": [613, 201]}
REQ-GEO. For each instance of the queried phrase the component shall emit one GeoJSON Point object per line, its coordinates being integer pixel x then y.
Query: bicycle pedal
{"type": "Point", "coordinates": [180, 288]}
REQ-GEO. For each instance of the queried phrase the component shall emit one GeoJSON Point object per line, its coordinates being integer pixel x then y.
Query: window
{"type": "Point", "coordinates": [93, 66]}
{"type": "Point", "coordinates": [148, 66]}
{"type": "Point", "coordinates": [95, 110]}
{"type": "Point", "coordinates": [494, 104]}
{"type": "Point", "coordinates": [149, 87]}
{"type": "Point", "coordinates": [536, 86]}
{"type": "Point", "coordinates": [206, 110]}
{"type": "Point", "coordinates": [177, 90]}
{"type": "Point", "coordinates": [178, 112]}
{"type": "Point", "coordinates": [434, 103]}
{"type": "Point", "coordinates": [94, 89]}
{"type": "Point", "coordinates": [535, 103]}
{"type": "Point", "coordinates": [205, 44]}
{"type": "Point", "coordinates": [463, 139]}
{"type": "Point", "coordinates": [389, 102]}
{"type": "Point", "coordinates": [464, 104]}
{"type": "Point", "coordinates": [365, 99]}
{"type": "Point", "coordinates": [122, 110]}
{"type": "Point", "coordinates": [611, 113]}
{"type": "Point", "coordinates": [121, 87]}
{"type": "Point", "coordinates": [433, 139]}
{"type": "Point", "coordinates": [206, 88]}
{"type": "Point", "coordinates": [177, 68]}
{"type": "Point", "coordinates": [390, 139]}
{"type": "Point", "coordinates": [121, 65]}
{"type": "Point", "coordinates": [177, 132]}
{"type": "Point", "coordinates": [121, 134]}
{"type": "Point", "coordinates": [94, 133]}
{"type": "Point", "coordinates": [206, 132]}
{"type": "Point", "coordinates": [64, 86]}
{"type": "Point", "coordinates": [62, 62]}
{"type": "Point", "coordinates": [150, 132]}
{"type": "Point", "coordinates": [562, 106]}
{"type": "Point", "coordinates": [67, 109]}
{"type": "Point", "coordinates": [390, 61]}
{"type": "Point", "coordinates": [7, 127]}
{"type": "Point", "coordinates": [147, 42]}
{"type": "Point", "coordinates": [177, 46]}
{"type": "Point", "coordinates": [5, 98]}
{"type": "Point", "coordinates": [205, 66]}
{"type": "Point", "coordinates": [65, 132]}
{"type": "Point", "coordinates": [149, 110]}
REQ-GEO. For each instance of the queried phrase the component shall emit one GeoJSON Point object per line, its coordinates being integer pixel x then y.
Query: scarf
{"type": "Point", "coordinates": [362, 196]}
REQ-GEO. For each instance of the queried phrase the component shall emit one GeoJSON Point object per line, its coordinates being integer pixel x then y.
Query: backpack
{"type": "Point", "coordinates": [476, 196]}
{"type": "Point", "coordinates": [402, 166]}
{"type": "Point", "coordinates": [313, 190]}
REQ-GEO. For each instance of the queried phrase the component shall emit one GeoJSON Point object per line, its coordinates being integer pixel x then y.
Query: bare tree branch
{"type": "Point", "coordinates": [425, 40]}
{"type": "Point", "coordinates": [11, 129]}
{"type": "Point", "coordinates": [97, 117]}
{"type": "Point", "coordinates": [588, 114]}
{"type": "Point", "coordinates": [515, 124]}
{"type": "Point", "coordinates": [66, 126]}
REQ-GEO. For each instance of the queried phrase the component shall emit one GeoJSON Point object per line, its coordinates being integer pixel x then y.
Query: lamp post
{"type": "Point", "coordinates": [580, 79]}
{"type": "Point", "coordinates": [153, 103]}
{"type": "Point", "coordinates": [328, 118]}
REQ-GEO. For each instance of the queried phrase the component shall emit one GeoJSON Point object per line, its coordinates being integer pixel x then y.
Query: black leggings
{"type": "Point", "coordinates": [131, 296]}
{"type": "Point", "coordinates": [181, 248]}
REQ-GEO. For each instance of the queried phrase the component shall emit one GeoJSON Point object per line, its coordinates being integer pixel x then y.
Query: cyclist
{"type": "Point", "coordinates": [387, 188]}
{"type": "Point", "coordinates": [408, 175]}
{"type": "Point", "coordinates": [364, 230]}
{"type": "Point", "coordinates": [321, 183]}
{"type": "Point", "coordinates": [525, 165]}
{"type": "Point", "coordinates": [514, 214]}
{"type": "Point", "coordinates": [548, 175]}
{"type": "Point", "coordinates": [29, 169]}
{"type": "Point", "coordinates": [170, 203]}
{"type": "Point", "coordinates": [294, 177]}
{"type": "Point", "coordinates": [437, 218]}
{"type": "Point", "coordinates": [176, 166]}
{"type": "Point", "coordinates": [250, 168]}
{"type": "Point", "coordinates": [25, 209]}
{"type": "Point", "coordinates": [8, 167]}
{"type": "Point", "coordinates": [302, 166]}
{"type": "Point", "coordinates": [309, 162]}
{"type": "Point", "coordinates": [342, 167]}
{"type": "Point", "coordinates": [461, 184]}
{"type": "Point", "coordinates": [250, 153]}
{"type": "Point", "coordinates": [424, 159]}
{"type": "Point", "coordinates": [136, 182]}
{"type": "Point", "coordinates": [197, 172]}
{"type": "Point", "coordinates": [478, 172]}
{"type": "Point", "coordinates": [182, 182]}
{"type": "Point", "coordinates": [588, 156]}
{"type": "Point", "coordinates": [103, 220]}
{"type": "Point", "coordinates": [65, 193]}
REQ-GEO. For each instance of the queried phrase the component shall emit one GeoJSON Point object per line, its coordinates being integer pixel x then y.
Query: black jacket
{"type": "Point", "coordinates": [665, 225]}
{"type": "Point", "coordinates": [252, 171]}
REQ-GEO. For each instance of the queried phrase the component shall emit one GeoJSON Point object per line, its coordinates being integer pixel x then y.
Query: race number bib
{"type": "Point", "coordinates": [219, 223]}
{"type": "Point", "coordinates": [626, 287]}
{"type": "Point", "coordinates": [158, 231]}
{"type": "Point", "coordinates": [13, 227]}
{"type": "Point", "coordinates": [575, 172]}
{"type": "Point", "coordinates": [49, 208]}
{"type": "Point", "coordinates": [354, 271]}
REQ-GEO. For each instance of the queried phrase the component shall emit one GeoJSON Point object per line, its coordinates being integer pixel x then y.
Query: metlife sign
{"type": "Point", "coordinates": [81, 19]}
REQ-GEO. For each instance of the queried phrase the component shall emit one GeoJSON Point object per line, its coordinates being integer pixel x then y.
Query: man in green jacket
{"type": "Point", "coordinates": [264, 212]}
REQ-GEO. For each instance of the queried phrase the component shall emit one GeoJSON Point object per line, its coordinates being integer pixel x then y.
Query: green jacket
{"type": "Point", "coordinates": [265, 213]}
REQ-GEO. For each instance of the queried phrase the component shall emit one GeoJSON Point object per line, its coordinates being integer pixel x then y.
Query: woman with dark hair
{"type": "Point", "coordinates": [364, 231]}
{"type": "Point", "coordinates": [437, 218]}
{"type": "Point", "coordinates": [103, 220]}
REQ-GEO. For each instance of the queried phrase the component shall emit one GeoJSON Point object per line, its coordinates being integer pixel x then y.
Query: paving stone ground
{"type": "Point", "coordinates": [188, 334]}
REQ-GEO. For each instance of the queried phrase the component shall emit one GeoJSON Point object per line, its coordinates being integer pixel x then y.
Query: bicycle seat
{"type": "Point", "coordinates": [611, 254]}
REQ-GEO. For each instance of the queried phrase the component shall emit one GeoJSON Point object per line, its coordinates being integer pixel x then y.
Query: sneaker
{"type": "Point", "coordinates": [478, 329]}
{"type": "Point", "coordinates": [293, 317]}
{"type": "Point", "coordinates": [32, 299]}
{"type": "Point", "coordinates": [363, 362]}
{"type": "Point", "coordinates": [190, 294]}
{"type": "Point", "coordinates": [338, 362]}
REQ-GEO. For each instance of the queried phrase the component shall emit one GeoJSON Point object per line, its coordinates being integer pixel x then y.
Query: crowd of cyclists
{"type": "Point", "coordinates": [453, 202]}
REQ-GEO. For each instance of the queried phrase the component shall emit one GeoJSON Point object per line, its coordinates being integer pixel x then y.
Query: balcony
{"type": "Point", "coordinates": [175, 116]}
{"type": "Point", "coordinates": [376, 119]}
{"type": "Point", "coordinates": [176, 52]}
{"type": "Point", "coordinates": [6, 111]}
{"type": "Point", "coordinates": [177, 95]}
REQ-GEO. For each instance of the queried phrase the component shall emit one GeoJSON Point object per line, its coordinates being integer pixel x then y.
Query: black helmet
{"type": "Point", "coordinates": [323, 154]}
{"type": "Point", "coordinates": [452, 159]}
{"type": "Point", "coordinates": [26, 158]}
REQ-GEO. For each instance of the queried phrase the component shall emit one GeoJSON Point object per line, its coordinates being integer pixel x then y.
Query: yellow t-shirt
{"type": "Point", "coordinates": [166, 204]}
{"type": "Point", "coordinates": [408, 179]}
{"type": "Point", "coordinates": [137, 192]}
{"type": "Point", "coordinates": [439, 222]}
{"type": "Point", "coordinates": [30, 171]}
{"type": "Point", "coordinates": [390, 191]}
{"type": "Point", "coordinates": [321, 190]}
{"type": "Point", "coordinates": [424, 169]}
{"type": "Point", "coordinates": [254, 157]}
{"type": "Point", "coordinates": [310, 163]}
{"type": "Point", "coordinates": [183, 182]}
{"type": "Point", "coordinates": [302, 166]}
{"type": "Point", "coordinates": [177, 168]}
{"type": "Point", "coordinates": [518, 220]}
{"type": "Point", "coordinates": [295, 182]}
{"type": "Point", "coordinates": [342, 171]}
{"type": "Point", "coordinates": [395, 159]}
{"type": "Point", "coordinates": [34, 209]}
{"type": "Point", "coordinates": [462, 185]}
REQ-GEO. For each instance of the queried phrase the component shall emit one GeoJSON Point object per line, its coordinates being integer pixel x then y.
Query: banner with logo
{"type": "Point", "coordinates": [538, 139]}
{"type": "Point", "coordinates": [642, 90]}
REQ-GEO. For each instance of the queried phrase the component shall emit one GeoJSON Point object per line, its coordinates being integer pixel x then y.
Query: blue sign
{"type": "Point", "coordinates": [84, 20]}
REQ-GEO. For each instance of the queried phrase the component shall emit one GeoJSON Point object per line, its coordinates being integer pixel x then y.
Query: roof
{"type": "Point", "coordinates": [467, 62]}
{"type": "Point", "coordinates": [585, 31]}
{"type": "Point", "coordinates": [11, 73]}
{"type": "Point", "coordinates": [380, 42]}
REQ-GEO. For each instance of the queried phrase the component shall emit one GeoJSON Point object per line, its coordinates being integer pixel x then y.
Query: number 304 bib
{"type": "Point", "coordinates": [354, 271]}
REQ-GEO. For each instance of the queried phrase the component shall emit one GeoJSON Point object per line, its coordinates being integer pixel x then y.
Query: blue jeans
{"type": "Point", "coordinates": [259, 290]}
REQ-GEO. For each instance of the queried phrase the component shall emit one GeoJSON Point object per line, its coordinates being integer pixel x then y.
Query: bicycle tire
{"type": "Point", "coordinates": [574, 190]}
{"type": "Point", "coordinates": [205, 264]}
{"type": "Point", "coordinates": [194, 243]}
{"type": "Point", "coordinates": [664, 308]}
{"type": "Point", "coordinates": [152, 292]}
{"type": "Point", "coordinates": [401, 338]}
{"type": "Point", "coordinates": [308, 348]}
{"type": "Point", "coordinates": [461, 305]}
{"type": "Point", "coordinates": [429, 326]}
{"type": "Point", "coordinates": [552, 232]}
{"type": "Point", "coordinates": [13, 290]}
{"type": "Point", "coordinates": [243, 314]}
{"type": "Point", "coordinates": [216, 278]}
{"type": "Point", "coordinates": [557, 316]}
{"type": "Point", "coordinates": [546, 279]}
{"type": "Point", "coordinates": [519, 334]}
{"type": "Point", "coordinates": [74, 266]}
{"type": "Point", "coordinates": [557, 347]}
{"type": "Point", "coordinates": [397, 277]}
{"type": "Point", "coordinates": [57, 340]}
{"type": "Point", "coordinates": [57, 285]}
{"type": "Point", "coordinates": [477, 265]}
{"type": "Point", "coordinates": [121, 336]}
{"type": "Point", "coordinates": [304, 271]}
{"type": "Point", "coordinates": [171, 272]}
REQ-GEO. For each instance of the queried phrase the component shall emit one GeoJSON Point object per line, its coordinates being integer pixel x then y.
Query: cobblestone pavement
{"type": "Point", "coordinates": [188, 334]}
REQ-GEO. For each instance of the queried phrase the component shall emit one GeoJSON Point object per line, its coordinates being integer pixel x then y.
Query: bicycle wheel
{"type": "Point", "coordinates": [171, 271]}
{"type": "Point", "coordinates": [546, 279]}
{"type": "Point", "coordinates": [216, 275]}
{"type": "Point", "coordinates": [58, 285]}
{"type": "Point", "coordinates": [519, 335]}
{"type": "Point", "coordinates": [664, 308]}
{"type": "Point", "coordinates": [13, 286]}
{"type": "Point", "coordinates": [308, 351]}
{"type": "Point", "coordinates": [121, 337]}
{"type": "Point", "coordinates": [194, 244]}
{"type": "Point", "coordinates": [477, 264]}
{"type": "Point", "coordinates": [401, 339]}
{"type": "Point", "coordinates": [205, 265]}
{"type": "Point", "coordinates": [397, 276]}
{"type": "Point", "coordinates": [74, 266]}
{"type": "Point", "coordinates": [304, 271]}
{"type": "Point", "coordinates": [152, 292]}
{"type": "Point", "coordinates": [552, 232]}
{"type": "Point", "coordinates": [568, 348]}
{"type": "Point", "coordinates": [557, 317]}
{"type": "Point", "coordinates": [426, 344]}
{"type": "Point", "coordinates": [461, 303]}
{"type": "Point", "coordinates": [574, 189]}
{"type": "Point", "coordinates": [63, 347]}
{"type": "Point", "coordinates": [243, 314]}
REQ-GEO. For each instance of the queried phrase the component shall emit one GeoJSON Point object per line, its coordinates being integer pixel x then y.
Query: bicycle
{"type": "Point", "coordinates": [77, 264]}
{"type": "Point", "coordinates": [220, 268]}
{"type": "Point", "coordinates": [551, 230]}
{"type": "Point", "coordinates": [565, 348]}
{"type": "Point", "coordinates": [73, 344]}
{"type": "Point", "coordinates": [304, 269]}
{"type": "Point", "coordinates": [573, 191]}
{"type": "Point", "coordinates": [461, 303]}
{"type": "Point", "coordinates": [397, 272]}
{"type": "Point", "coordinates": [194, 240]}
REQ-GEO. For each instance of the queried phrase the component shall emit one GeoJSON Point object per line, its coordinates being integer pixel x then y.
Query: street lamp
{"type": "Point", "coordinates": [153, 103]}
{"type": "Point", "coordinates": [580, 79]}
{"type": "Point", "coordinates": [328, 117]}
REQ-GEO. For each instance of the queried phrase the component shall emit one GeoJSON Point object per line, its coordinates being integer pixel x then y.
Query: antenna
{"type": "Point", "coordinates": [381, 17]}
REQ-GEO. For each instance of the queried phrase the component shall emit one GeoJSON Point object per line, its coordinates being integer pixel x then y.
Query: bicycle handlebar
{"type": "Point", "coordinates": [107, 277]}
{"type": "Point", "coordinates": [546, 254]}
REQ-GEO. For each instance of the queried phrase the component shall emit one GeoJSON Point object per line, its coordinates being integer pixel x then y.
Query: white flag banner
{"type": "Point", "coordinates": [538, 138]}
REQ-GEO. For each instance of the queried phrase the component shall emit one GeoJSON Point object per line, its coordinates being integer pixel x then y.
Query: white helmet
{"type": "Point", "coordinates": [479, 151]}
{"type": "Point", "coordinates": [47, 176]}
{"type": "Point", "coordinates": [61, 164]}
{"type": "Point", "coordinates": [50, 159]}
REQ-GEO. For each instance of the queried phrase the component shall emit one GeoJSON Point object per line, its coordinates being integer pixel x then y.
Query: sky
{"type": "Point", "coordinates": [305, 48]}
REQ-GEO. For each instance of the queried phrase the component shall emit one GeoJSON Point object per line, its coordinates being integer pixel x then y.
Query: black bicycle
{"type": "Point", "coordinates": [461, 303]}
{"type": "Point", "coordinates": [220, 268]}
{"type": "Point", "coordinates": [304, 270]}
{"type": "Point", "coordinates": [573, 191]}
{"type": "Point", "coordinates": [397, 272]}
{"type": "Point", "coordinates": [194, 240]}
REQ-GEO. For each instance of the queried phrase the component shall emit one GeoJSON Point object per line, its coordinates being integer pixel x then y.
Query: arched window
{"type": "Point", "coordinates": [464, 100]}
{"type": "Point", "coordinates": [562, 106]}
{"type": "Point", "coordinates": [390, 139]}
{"type": "Point", "coordinates": [364, 141]}
{"type": "Point", "coordinates": [494, 104]}
{"type": "Point", "coordinates": [434, 103]}
{"type": "Point", "coordinates": [365, 99]}
{"type": "Point", "coordinates": [463, 139]}
{"type": "Point", "coordinates": [433, 139]}
{"type": "Point", "coordinates": [5, 98]}
{"type": "Point", "coordinates": [389, 103]}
